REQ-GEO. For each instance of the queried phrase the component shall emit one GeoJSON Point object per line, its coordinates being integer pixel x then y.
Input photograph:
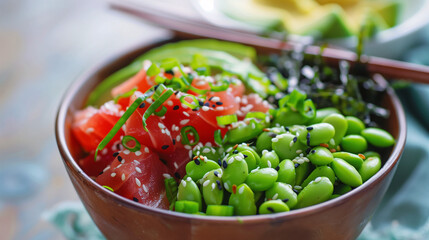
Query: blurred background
{"type": "Point", "coordinates": [46, 44]}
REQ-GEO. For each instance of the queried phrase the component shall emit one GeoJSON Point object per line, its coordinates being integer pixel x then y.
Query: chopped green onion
{"type": "Point", "coordinates": [226, 119]}
{"type": "Point", "coordinates": [258, 115]}
{"type": "Point", "coordinates": [220, 210]}
{"type": "Point", "coordinates": [169, 63]}
{"type": "Point", "coordinates": [223, 86]}
{"type": "Point", "coordinates": [161, 112]}
{"type": "Point", "coordinates": [194, 104]}
{"type": "Point", "coordinates": [171, 189]}
{"type": "Point", "coordinates": [197, 90]}
{"type": "Point", "coordinates": [159, 89]}
{"type": "Point", "coordinates": [199, 64]}
{"type": "Point", "coordinates": [218, 137]}
{"type": "Point", "coordinates": [156, 104]}
{"type": "Point", "coordinates": [153, 70]}
{"type": "Point", "coordinates": [185, 131]}
{"type": "Point", "coordinates": [159, 79]}
{"type": "Point", "coordinates": [126, 139]}
{"type": "Point", "coordinates": [109, 188]}
{"type": "Point", "coordinates": [186, 206]}
{"type": "Point", "coordinates": [121, 122]}
{"type": "Point", "coordinates": [124, 95]}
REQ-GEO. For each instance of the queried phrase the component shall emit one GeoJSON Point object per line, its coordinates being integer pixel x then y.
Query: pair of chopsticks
{"type": "Point", "coordinates": [390, 69]}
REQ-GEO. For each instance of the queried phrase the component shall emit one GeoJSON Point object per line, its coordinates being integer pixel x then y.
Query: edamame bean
{"type": "Point", "coordinates": [261, 179]}
{"type": "Point", "coordinates": [354, 144]}
{"type": "Point", "coordinates": [315, 192]}
{"type": "Point", "coordinates": [322, 171]}
{"type": "Point", "coordinates": [378, 137]}
{"type": "Point", "coordinates": [286, 172]}
{"type": "Point", "coordinates": [355, 125]}
{"type": "Point", "coordinates": [317, 134]}
{"type": "Point", "coordinates": [302, 171]}
{"type": "Point", "coordinates": [211, 153]}
{"type": "Point", "coordinates": [244, 133]}
{"type": "Point", "coordinates": [322, 113]}
{"type": "Point", "coordinates": [288, 117]}
{"type": "Point", "coordinates": [370, 167]}
{"type": "Point", "coordinates": [235, 173]}
{"type": "Point", "coordinates": [320, 156]}
{"type": "Point", "coordinates": [212, 187]}
{"type": "Point", "coordinates": [287, 146]}
{"type": "Point", "coordinates": [371, 154]}
{"type": "Point", "coordinates": [273, 206]}
{"type": "Point", "coordinates": [264, 141]}
{"type": "Point", "coordinates": [251, 162]}
{"type": "Point", "coordinates": [283, 192]}
{"type": "Point", "coordinates": [269, 159]}
{"type": "Point", "coordinates": [243, 201]}
{"type": "Point", "coordinates": [197, 168]}
{"type": "Point", "coordinates": [188, 190]}
{"type": "Point", "coordinates": [340, 125]}
{"type": "Point", "coordinates": [346, 173]}
{"type": "Point", "coordinates": [351, 158]}
{"type": "Point", "coordinates": [341, 189]}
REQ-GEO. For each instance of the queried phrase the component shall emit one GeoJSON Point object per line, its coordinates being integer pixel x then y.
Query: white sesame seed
{"type": "Point", "coordinates": [138, 170]}
{"type": "Point", "coordinates": [206, 150]}
{"type": "Point", "coordinates": [162, 131]}
{"type": "Point", "coordinates": [231, 160]}
{"type": "Point", "coordinates": [104, 152]}
{"type": "Point", "coordinates": [187, 147]}
{"type": "Point", "coordinates": [175, 165]}
{"type": "Point", "coordinates": [138, 153]}
{"type": "Point", "coordinates": [160, 125]}
{"type": "Point", "coordinates": [145, 188]}
{"type": "Point", "coordinates": [149, 100]}
{"type": "Point", "coordinates": [138, 182]}
{"type": "Point", "coordinates": [275, 196]}
{"type": "Point", "coordinates": [183, 183]}
{"type": "Point", "coordinates": [170, 103]}
{"type": "Point", "coordinates": [188, 179]}
{"type": "Point", "coordinates": [241, 190]}
{"type": "Point", "coordinates": [215, 99]}
{"type": "Point", "coordinates": [126, 152]}
{"type": "Point", "coordinates": [136, 162]}
{"type": "Point", "coordinates": [113, 174]}
{"type": "Point", "coordinates": [206, 183]}
{"type": "Point", "coordinates": [146, 150]}
{"type": "Point", "coordinates": [298, 151]}
{"type": "Point", "coordinates": [186, 114]}
{"type": "Point", "coordinates": [332, 142]}
{"type": "Point", "coordinates": [269, 164]}
{"type": "Point", "coordinates": [274, 140]}
{"type": "Point", "coordinates": [318, 179]}
{"type": "Point", "coordinates": [89, 130]}
{"type": "Point", "coordinates": [98, 158]}
{"type": "Point", "coordinates": [184, 121]}
{"type": "Point", "coordinates": [225, 185]}
{"type": "Point", "coordinates": [291, 143]}
{"type": "Point", "coordinates": [213, 186]}
{"type": "Point", "coordinates": [184, 106]}
{"type": "Point", "coordinates": [297, 187]}
{"type": "Point", "coordinates": [301, 155]}
{"type": "Point", "coordinates": [264, 152]}
{"type": "Point", "coordinates": [120, 165]}
{"type": "Point", "coordinates": [123, 161]}
{"type": "Point", "coordinates": [123, 177]}
{"type": "Point", "coordinates": [300, 161]}
{"type": "Point", "coordinates": [220, 108]}
{"type": "Point", "coordinates": [205, 108]}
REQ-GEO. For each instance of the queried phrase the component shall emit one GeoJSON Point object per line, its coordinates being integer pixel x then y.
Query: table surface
{"type": "Point", "coordinates": [44, 46]}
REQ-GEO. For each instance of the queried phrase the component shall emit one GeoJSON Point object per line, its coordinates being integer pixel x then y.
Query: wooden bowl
{"type": "Point", "coordinates": [120, 218]}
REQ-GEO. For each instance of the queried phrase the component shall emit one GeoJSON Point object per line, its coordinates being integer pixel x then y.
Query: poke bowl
{"type": "Point", "coordinates": [122, 217]}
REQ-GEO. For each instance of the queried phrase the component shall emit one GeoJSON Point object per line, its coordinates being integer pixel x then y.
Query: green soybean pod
{"type": "Point", "coordinates": [340, 125]}
{"type": "Point", "coordinates": [261, 179]}
{"type": "Point", "coordinates": [378, 137]}
{"type": "Point", "coordinates": [243, 147]}
{"type": "Point", "coordinates": [370, 167]}
{"type": "Point", "coordinates": [287, 146]}
{"type": "Point", "coordinates": [355, 125]}
{"type": "Point", "coordinates": [354, 144]}
{"type": "Point", "coordinates": [302, 171]}
{"type": "Point", "coordinates": [243, 201]}
{"type": "Point", "coordinates": [371, 154]}
{"type": "Point", "coordinates": [283, 192]}
{"type": "Point", "coordinates": [315, 192]}
{"type": "Point", "coordinates": [286, 172]}
{"type": "Point", "coordinates": [235, 172]}
{"type": "Point", "coordinates": [322, 171]}
{"type": "Point", "coordinates": [212, 187]}
{"type": "Point", "coordinates": [322, 113]}
{"type": "Point", "coordinates": [263, 142]}
{"type": "Point", "coordinates": [341, 189]}
{"type": "Point", "coordinates": [346, 173]}
{"type": "Point", "coordinates": [198, 168]}
{"type": "Point", "coordinates": [317, 134]}
{"type": "Point", "coordinates": [220, 210]}
{"type": "Point", "coordinates": [273, 206]}
{"type": "Point", "coordinates": [320, 156]}
{"type": "Point", "coordinates": [351, 158]}
{"type": "Point", "coordinates": [269, 159]}
{"type": "Point", "coordinates": [188, 190]}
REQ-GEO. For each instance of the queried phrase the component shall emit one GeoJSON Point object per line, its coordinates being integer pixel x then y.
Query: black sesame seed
{"type": "Point", "coordinates": [195, 109]}
{"type": "Point", "coordinates": [197, 161]}
{"type": "Point", "coordinates": [100, 173]}
{"type": "Point", "coordinates": [245, 156]}
{"type": "Point", "coordinates": [200, 103]}
{"type": "Point", "coordinates": [295, 139]}
{"type": "Point", "coordinates": [219, 103]}
{"type": "Point", "coordinates": [219, 186]}
{"type": "Point", "coordinates": [285, 200]}
{"type": "Point", "coordinates": [165, 147]}
{"type": "Point", "coordinates": [169, 72]}
{"type": "Point", "coordinates": [216, 173]}
{"type": "Point", "coordinates": [119, 158]}
{"type": "Point", "coordinates": [176, 107]}
{"type": "Point", "coordinates": [211, 98]}
{"type": "Point", "coordinates": [235, 151]}
{"type": "Point", "coordinates": [142, 105]}
{"type": "Point", "coordinates": [177, 175]}
{"type": "Point", "coordinates": [272, 135]}
{"type": "Point", "coordinates": [115, 154]}
{"type": "Point", "coordinates": [163, 161]}
{"type": "Point", "coordinates": [308, 150]}
{"type": "Point", "coordinates": [224, 164]}
{"type": "Point", "coordinates": [176, 92]}
{"type": "Point", "coordinates": [287, 129]}
{"type": "Point", "coordinates": [219, 162]}
{"type": "Point", "coordinates": [135, 199]}
{"type": "Point", "coordinates": [309, 128]}
{"type": "Point", "coordinates": [207, 104]}
{"type": "Point", "coordinates": [174, 141]}
{"type": "Point", "coordinates": [313, 151]}
{"type": "Point", "coordinates": [156, 87]}
{"type": "Point", "coordinates": [118, 146]}
{"type": "Point", "coordinates": [308, 135]}
{"type": "Point", "coordinates": [270, 209]}
{"type": "Point", "coordinates": [277, 168]}
{"type": "Point", "coordinates": [213, 105]}
{"type": "Point", "coordinates": [296, 191]}
{"type": "Point", "coordinates": [296, 165]}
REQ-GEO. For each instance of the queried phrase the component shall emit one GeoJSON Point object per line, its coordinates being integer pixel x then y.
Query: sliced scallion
{"type": "Point", "coordinates": [219, 87]}
{"type": "Point", "coordinates": [193, 104]}
{"type": "Point", "coordinates": [127, 139]}
{"type": "Point", "coordinates": [153, 70]}
{"type": "Point", "coordinates": [226, 119]}
{"type": "Point", "coordinates": [161, 112]}
{"type": "Point", "coordinates": [156, 104]}
{"type": "Point", "coordinates": [185, 131]}
{"type": "Point", "coordinates": [257, 115]}
{"type": "Point", "coordinates": [124, 95]}
{"type": "Point", "coordinates": [109, 188]}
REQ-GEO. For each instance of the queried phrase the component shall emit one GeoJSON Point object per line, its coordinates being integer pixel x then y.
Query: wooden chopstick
{"type": "Point", "coordinates": [390, 69]}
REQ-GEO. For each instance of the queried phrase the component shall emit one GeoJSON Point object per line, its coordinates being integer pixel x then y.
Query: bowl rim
{"type": "Point", "coordinates": [71, 164]}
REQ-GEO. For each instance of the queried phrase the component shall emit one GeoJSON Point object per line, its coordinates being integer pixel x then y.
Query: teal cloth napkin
{"type": "Point", "coordinates": [404, 212]}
